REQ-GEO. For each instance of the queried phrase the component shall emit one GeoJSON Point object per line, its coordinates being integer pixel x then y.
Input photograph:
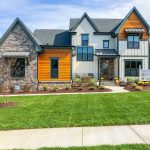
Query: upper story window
{"type": "Point", "coordinates": [84, 53]}
{"type": "Point", "coordinates": [85, 39]}
{"type": "Point", "coordinates": [105, 43]}
{"type": "Point", "coordinates": [133, 42]}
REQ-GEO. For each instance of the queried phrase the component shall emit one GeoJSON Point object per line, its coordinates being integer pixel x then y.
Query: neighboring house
{"type": "Point", "coordinates": [107, 48]}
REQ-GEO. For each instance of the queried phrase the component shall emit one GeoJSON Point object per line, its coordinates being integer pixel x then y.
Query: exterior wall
{"type": "Point", "coordinates": [18, 40]}
{"type": "Point", "coordinates": [145, 62]}
{"type": "Point", "coordinates": [85, 67]}
{"type": "Point", "coordinates": [133, 22]}
{"type": "Point", "coordinates": [142, 51]}
{"type": "Point", "coordinates": [64, 64]}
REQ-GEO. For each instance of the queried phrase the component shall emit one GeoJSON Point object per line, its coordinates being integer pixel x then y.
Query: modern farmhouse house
{"type": "Point", "coordinates": [96, 47]}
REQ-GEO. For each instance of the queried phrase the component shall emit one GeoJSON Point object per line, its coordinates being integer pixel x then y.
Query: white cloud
{"type": "Point", "coordinates": [40, 15]}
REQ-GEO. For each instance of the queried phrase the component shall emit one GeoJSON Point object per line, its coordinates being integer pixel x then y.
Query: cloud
{"type": "Point", "coordinates": [51, 15]}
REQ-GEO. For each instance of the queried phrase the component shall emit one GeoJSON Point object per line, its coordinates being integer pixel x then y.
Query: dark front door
{"type": "Point", "coordinates": [107, 69]}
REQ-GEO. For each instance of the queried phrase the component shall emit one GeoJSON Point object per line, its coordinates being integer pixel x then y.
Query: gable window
{"type": "Point", "coordinates": [132, 68]}
{"type": "Point", "coordinates": [85, 53]}
{"type": "Point", "coordinates": [18, 70]}
{"type": "Point", "coordinates": [133, 41]}
{"type": "Point", "coordinates": [85, 39]}
{"type": "Point", "coordinates": [54, 67]}
{"type": "Point", "coordinates": [105, 43]}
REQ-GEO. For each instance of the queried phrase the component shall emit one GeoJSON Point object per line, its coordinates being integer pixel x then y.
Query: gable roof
{"type": "Point", "coordinates": [134, 9]}
{"type": "Point", "coordinates": [85, 15]}
{"type": "Point", "coordinates": [26, 30]}
{"type": "Point", "coordinates": [53, 37]}
{"type": "Point", "coordinates": [103, 25]}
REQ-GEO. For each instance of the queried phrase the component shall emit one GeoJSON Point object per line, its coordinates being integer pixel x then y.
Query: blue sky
{"type": "Point", "coordinates": [56, 13]}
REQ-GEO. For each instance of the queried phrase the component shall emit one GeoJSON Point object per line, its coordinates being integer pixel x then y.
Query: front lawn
{"type": "Point", "coordinates": [121, 147]}
{"type": "Point", "coordinates": [76, 110]}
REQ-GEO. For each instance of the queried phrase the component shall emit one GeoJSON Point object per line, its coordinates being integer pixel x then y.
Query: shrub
{"type": "Point", "coordinates": [86, 79]}
{"type": "Point", "coordinates": [80, 88]}
{"type": "Point", "coordinates": [26, 87]}
{"type": "Point", "coordinates": [45, 87]}
{"type": "Point", "coordinates": [67, 87]}
{"type": "Point", "coordinates": [91, 88]}
{"type": "Point", "coordinates": [134, 85]}
{"type": "Point", "coordinates": [12, 89]}
{"type": "Point", "coordinates": [130, 80]}
{"type": "Point", "coordinates": [55, 87]}
{"type": "Point", "coordinates": [141, 83]}
{"type": "Point", "coordinates": [92, 82]}
{"type": "Point", "coordinates": [138, 88]}
{"type": "Point", "coordinates": [136, 80]}
{"type": "Point", "coordinates": [121, 83]}
{"type": "Point", "coordinates": [78, 81]}
{"type": "Point", "coordinates": [101, 87]}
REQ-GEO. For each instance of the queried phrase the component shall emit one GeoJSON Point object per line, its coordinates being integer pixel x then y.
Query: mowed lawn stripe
{"type": "Point", "coordinates": [76, 110]}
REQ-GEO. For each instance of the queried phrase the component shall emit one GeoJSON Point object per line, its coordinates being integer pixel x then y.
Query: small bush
{"type": "Point", "coordinates": [26, 87]}
{"type": "Point", "coordinates": [92, 82]}
{"type": "Point", "coordinates": [138, 88]}
{"type": "Point", "coordinates": [130, 80]}
{"type": "Point", "coordinates": [141, 83]}
{"type": "Point", "coordinates": [67, 87]}
{"type": "Point", "coordinates": [101, 87]}
{"type": "Point", "coordinates": [91, 88]}
{"type": "Point", "coordinates": [80, 88]}
{"type": "Point", "coordinates": [45, 87]}
{"type": "Point", "coordinates": [55, 88]}
{"type": "Point", "coordinates": [78, 81]}
{"type": "Point", "coordinates": [134, 85]}
{"type": "Point", "coordinates": [86, 79]}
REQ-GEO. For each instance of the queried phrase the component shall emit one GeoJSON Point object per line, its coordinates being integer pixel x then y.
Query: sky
{"type": "Point", "coordinates": [55, 14]}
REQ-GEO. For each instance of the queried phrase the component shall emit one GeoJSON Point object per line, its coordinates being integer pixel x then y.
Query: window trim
{"type": "Point", "coordinates": [85, 40]}
{"type": "Point", "coordinates": [133, 42]}
{"type": "Point", "coordinates": [17, 77]}
{"type": "Point", "coordinates": [104, 42]}
{"type": "Point", "coordinates": [51, 67]}
{"type": "Point", "coordinates": [136, 60]}
{"type": "Point", "coordinates": [87, 52]}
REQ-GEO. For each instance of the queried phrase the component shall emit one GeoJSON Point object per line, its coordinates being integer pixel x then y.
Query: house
{"type": "Point", "coordinates": [95, 47]}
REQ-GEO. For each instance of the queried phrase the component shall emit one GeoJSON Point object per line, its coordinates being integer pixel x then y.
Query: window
{"type": "Point", "coordinates": [85, 53]}
{"type": "Point", "coordinates": [18, 69]}
{"type": "Point", "coordinates": [133, 41]}
{"type": "Point", "coordinates": [54, 67]}
{"type": "Point", "coordinates": [132, 68]}
{"type": "Point", "coordinates": [105, 44]}
{"type": "Point", "coordinates": [85, 39]}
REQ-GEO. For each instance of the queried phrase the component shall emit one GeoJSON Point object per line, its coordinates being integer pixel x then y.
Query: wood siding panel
{"type": "Point", "coordinates": [44, 64]}
{"type": "Point", "coordinates": [133, 22]}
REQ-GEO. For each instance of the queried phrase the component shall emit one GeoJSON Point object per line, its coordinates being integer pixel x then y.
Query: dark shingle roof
{"type": "Point", "coordinates": [104, 25]}
{"type": "Point", "coordinates": [53, 37]}
{"type": "Point", "coordinates": [106, 52]}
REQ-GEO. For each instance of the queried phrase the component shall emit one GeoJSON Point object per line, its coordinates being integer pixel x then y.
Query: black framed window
{"type": "Point", "coordinates": [133, 41]}
{"type": "Point", "coordinates": [85, 39]}
{"type": "Point", "coordinates": [105, 43]}
{"type": "Point", "coordinates": [18, 69]}
{"type": "Point", "coordinates": [85, 53]}
{"type": "Point", "coordinates": [132, 67]}
{"type": "Point", "coordinates": [54, 67]}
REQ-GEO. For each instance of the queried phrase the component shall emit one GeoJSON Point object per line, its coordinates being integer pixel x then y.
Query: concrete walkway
{"type": "Point", "coordinates": [80, 136]}
{"type": "Point", "coordinates": [115, 89]}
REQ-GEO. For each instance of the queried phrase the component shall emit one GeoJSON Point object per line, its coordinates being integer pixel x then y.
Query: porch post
{"type": "Point", "coordinates": [98, 76]}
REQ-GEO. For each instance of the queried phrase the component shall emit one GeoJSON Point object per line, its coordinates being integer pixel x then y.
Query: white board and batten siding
{"type": "Point", "coordinates": [96, 41]}
{"type": "Point", "coordinates": [133, 54]}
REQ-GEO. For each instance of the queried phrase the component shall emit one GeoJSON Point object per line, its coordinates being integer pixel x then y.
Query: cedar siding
{"type": "Point", "coordinates": [133, 22]}
{"type": "Point", "coordinates": [44, 61]}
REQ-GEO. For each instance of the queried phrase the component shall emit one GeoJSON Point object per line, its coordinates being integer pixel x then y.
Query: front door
{"type": "Point", "coordinates": [107, 69]}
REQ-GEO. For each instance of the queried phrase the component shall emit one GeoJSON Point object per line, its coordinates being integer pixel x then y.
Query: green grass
{"type": "Point", "coordinates": [121, 147]}
{"type": "Point", "coordinates": [76, 110]}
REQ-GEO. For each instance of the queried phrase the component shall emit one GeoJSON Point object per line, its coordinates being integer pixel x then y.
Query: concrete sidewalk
{"type": "Point", "coordinates": [115, 89]}
{"type": "Point", "coordinates": [80, 136]}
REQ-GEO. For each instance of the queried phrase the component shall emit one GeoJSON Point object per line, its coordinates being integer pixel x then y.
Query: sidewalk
{"type": "Point", "coordinates": [80, 136]}
{"type": "Point", "coordinates": [115, 89]}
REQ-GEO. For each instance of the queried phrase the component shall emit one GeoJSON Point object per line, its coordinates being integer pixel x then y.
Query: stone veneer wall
{"type": "Point", "coordinates": [19, 41]}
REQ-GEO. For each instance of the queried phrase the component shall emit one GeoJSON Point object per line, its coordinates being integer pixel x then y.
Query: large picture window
{"type": "Point", "coordinates": [85, 53]}
{"type": "Point", "coordinates": [54, 67]}
{"type": "Point", "coordinates": [133, 42]}
{"type": "Point", "coordinates": [18, 69]}
{"type": "Point", "coordinates": [85, 39]}
{"type": "Point", "coordinates": [132, 68]}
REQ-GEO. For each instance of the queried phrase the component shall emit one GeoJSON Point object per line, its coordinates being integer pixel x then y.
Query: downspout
{"type": "Point", "coordinates": [119, 57]}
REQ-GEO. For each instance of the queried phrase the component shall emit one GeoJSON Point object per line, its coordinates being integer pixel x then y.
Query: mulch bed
{"type": "Point", "coordinates": [73, 90]}
{"type": "Point", "coordinates": [8, 104]}
{"type": "Point", "coordinates": [131, 88]}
